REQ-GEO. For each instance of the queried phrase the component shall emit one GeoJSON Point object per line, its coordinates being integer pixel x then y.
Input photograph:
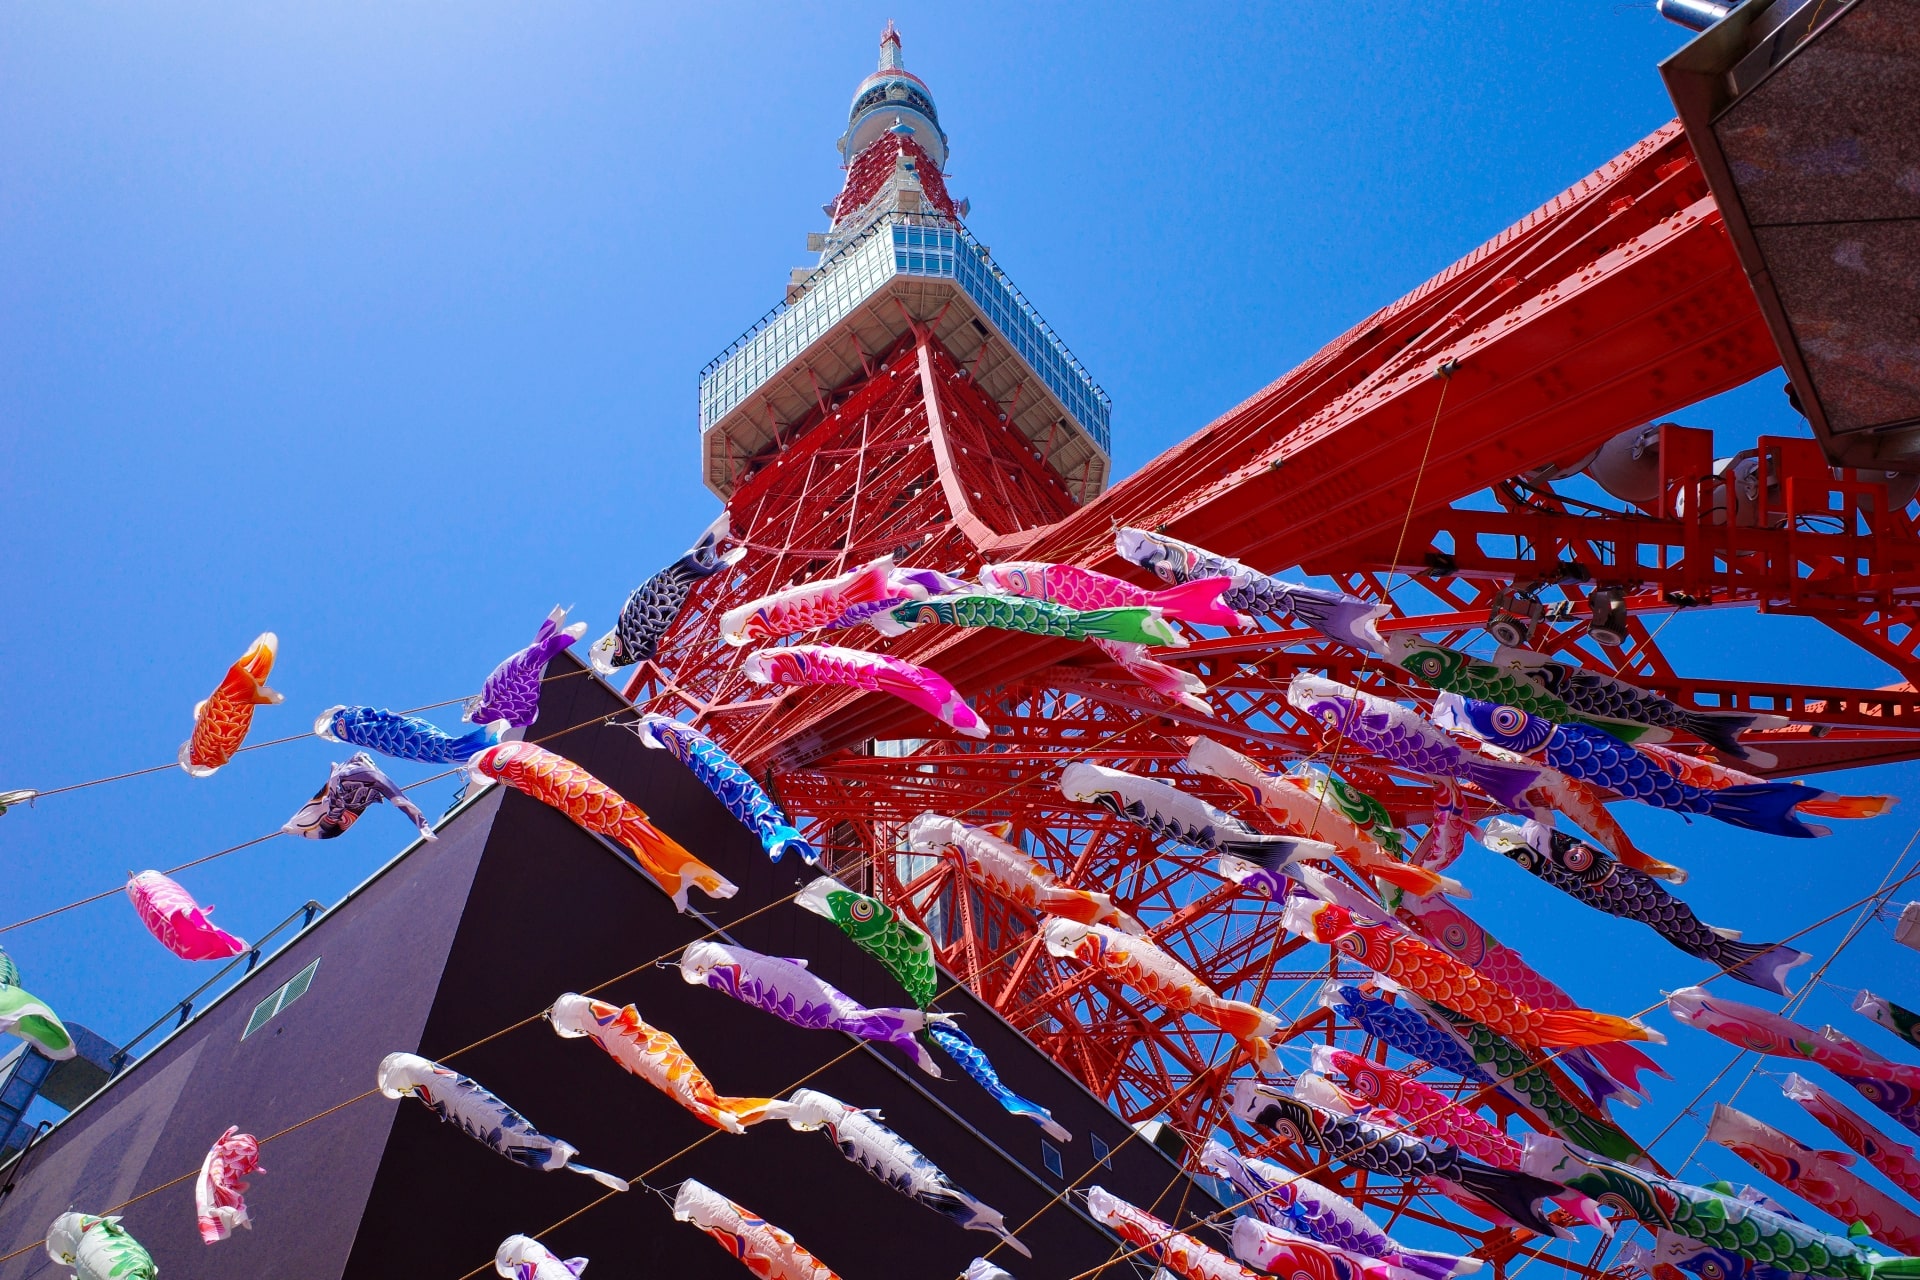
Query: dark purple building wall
{"type": "Point", "coordinates": [483, 929]}
{"type": "Point", "coordinates": [381, 954]}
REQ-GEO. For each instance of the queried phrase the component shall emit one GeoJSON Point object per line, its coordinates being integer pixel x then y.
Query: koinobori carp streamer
{"type": "Point", "coordinates": [221, 720]}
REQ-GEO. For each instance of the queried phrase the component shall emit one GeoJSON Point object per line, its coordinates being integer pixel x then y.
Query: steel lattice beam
{"type": "Point", "coordinates": [1617, 303]}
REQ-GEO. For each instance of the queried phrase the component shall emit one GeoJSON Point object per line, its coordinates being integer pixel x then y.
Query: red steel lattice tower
{"type": "Point", "coordinates": [906, 400]}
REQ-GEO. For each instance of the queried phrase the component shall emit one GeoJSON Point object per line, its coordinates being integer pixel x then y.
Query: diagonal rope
{"type": "Point", "coordinates": [1484, 1090]}
{"type": "Point", "coordinates": [280, 831]}
{"type": "Point", "coordinates": [1867, 913]}
{"type": "Point", "coordinates": [256, 746]}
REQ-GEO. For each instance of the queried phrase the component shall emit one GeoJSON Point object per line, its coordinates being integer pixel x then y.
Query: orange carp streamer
{"type": "Point", "coordinates": [1143, 965]}
{"type": "Point", "coordinates": [1176, 1250]}
{"type": "Point", "coordinates": [1304, 814]}
{"type": "Point", "coordinates": [1432, 974]}
{"type": "Point", "coordinates": [220, 722]}
{"type": "Point", "coordinates": [656, 1057]}
{"type": "Point", "coordinates": [1586, 804]}
{"type": "Point", "coordinates": [1711, 775]}
{"type": "Point", "coordinates": [557, 781]}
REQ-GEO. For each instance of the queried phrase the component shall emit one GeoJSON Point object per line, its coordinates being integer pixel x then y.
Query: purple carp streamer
{"type": "Point", "coordinates": [512, 691]}
{"type": "Point", "coordinates": [786, 990]}
{"type": "Point", "coordinates": [1299, 1204]}
{"type": "Point", "coordinates": [351, 789]}
{"type": "Point", "coordinates": [1334, 614]}
{"type": "Point", "coordinates": [1398, 736]}
{"type": "Point", "coordinates": [1591, 875]}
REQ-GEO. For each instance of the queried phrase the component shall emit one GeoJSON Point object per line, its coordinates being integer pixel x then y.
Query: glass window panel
{"type": "Point", "coordinates": [262, 1013]}
{"type": "Point", "coordinates": [292, 990]}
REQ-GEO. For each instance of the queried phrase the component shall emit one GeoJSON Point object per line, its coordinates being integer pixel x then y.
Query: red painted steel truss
{"type": "Point", "coordinates": [1386, 461]}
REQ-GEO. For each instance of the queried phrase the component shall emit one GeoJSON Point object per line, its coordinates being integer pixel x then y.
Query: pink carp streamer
{"type": "Point", "coordinates": [182, 925]}
{"type": "Point", "coordinates": [1820, 1178]}
{"type": "Point", "coordinates": [1426, 1110]}
{"type": "Point", "coordinates": [813, 664]}
{"type": "Point", "coordinates": [1747, 1027]}
{"type": "Point", "coordinates": [219, 1193]}
{"type": "Point", "coordinates": [1896, 1160]}
{"type": "Point", "coordinates": [1170, 682]}
{"type": "Point", "coordinates": [1432, 1114]}
{"type": "Point", "coordinates": [809, 606]}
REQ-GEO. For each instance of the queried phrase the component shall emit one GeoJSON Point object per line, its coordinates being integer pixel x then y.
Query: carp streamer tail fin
{"type": "Point", "coordinates": [753, 1110]}
{"type": "Point", "coordinates": [1625, 1063]}
{"type": "Point", "coordinates": [895, 1027]}
{"type": "Point", "coordinates": [1628, 731]}
{"type": "Point", "coordinates": [1722, 729]}
{"type": "Point", "coordinates": [1505, 782]}
{"type": "Point", "coordinates": [1198, 600]}
{"type": "Point", "coordinates": [1580, 1027]}
{"type": "Point", "coordinates": [783, 839]}
{"type": "Point", "coordinates": [1434, 1266]}
{"type": "Point", "coordinates": [1766, 807]}
{"type": "Point", "coordinates": [1418, 881]}
{"type": "Point", "coordinates": [1834, 806]}
{"type": "Point", "coordinates": [1759, 964]}
{"type": "Point", "coordinates": [1518, 1195]}
{"type": "Point", "coordinates": [1270, 853]}
{"type": "Point", "coordinates": [1345, 618]}
{"type": "Point", "coordinates": [1131, 624]}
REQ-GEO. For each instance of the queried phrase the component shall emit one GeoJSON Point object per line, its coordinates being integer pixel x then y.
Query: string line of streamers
{"type": "Point", "coordinates": [1524, 755]}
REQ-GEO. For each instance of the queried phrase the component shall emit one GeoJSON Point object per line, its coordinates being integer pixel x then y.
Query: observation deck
{"type": "Point", "coordinates": [900, 270]}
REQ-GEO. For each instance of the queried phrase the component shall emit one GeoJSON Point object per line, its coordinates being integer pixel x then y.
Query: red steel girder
{"type": "Point", "coordinates": [1618, 302]}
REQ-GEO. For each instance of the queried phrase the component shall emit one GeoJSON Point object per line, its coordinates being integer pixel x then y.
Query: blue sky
{"type": "Point", "coordinates": [379, 326]}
